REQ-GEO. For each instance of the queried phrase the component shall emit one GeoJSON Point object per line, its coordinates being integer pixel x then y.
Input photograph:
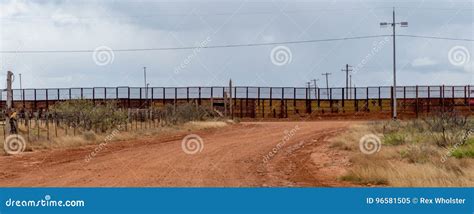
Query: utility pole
{"type": "Point", "coordinates": [308, 84]}
{"type": "Point", "coordinates": [347, 70]}
{"type": "Point", "coordinates": [393, 24]}
{"type": "Point", "coordinates": [9, 101]}
{"type": "Point", "coordinates": [350, 86]}
{"type": "Point", "coordinates": [327, 82]}
{"type": "Point", "coordinates": [315, 81]}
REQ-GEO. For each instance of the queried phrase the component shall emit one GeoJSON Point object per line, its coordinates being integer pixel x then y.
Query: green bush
{"type": "Point", "coordinates": [185, 113]}
{"type": "Point", "coordinates": [89, 116]}
{"type": "Point", "coordinates": [449, 128]}
{"type": "Point", "coordinates": [394, 138]}
{"type": "Point", "coordinates": [466, 151]}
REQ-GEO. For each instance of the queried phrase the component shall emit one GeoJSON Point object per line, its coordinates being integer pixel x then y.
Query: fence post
{"type": "Point", "coordinates": [380, 99]}
{"type": "Point", "coordinates": [263, 103]}
{"type": "Point", "coordinates": [175, 100]}
{"type": "Point", "coordinates": [465, 95]}
{"type": "Point", "coordinates": [404, 98]}
{"type": "Point", "coordinates": [140, 98]}
{"type": "Point", "coordinates": [283, 103]}
{"type": "Point", "coordinates": [306, 100]}
{"type": "Point", "coordinates": [294, 100]}
{"type": "Point", "coordinates": [199, 96]}
{"type": "Point", "coordinates": [93, 95]}
{"type": "Point", "coordinates": [152, 99]}
{"type": "Point", "coordinates": [367, 99]}
{"type": "Point", "coordinates": [429, 100]}
{"type": "Point", "coordinates": [356, 103]}
{"type": "Point", "coordinates": [342, 103]}
{"type": "Point", "coordinates": [128, 97]}
{"type": "Point", "coordinates": [212, 98]}
{"type": "Point", "coordinates": [82, 93]}
{"type": "Point", "coordinates": [271, 94]}
{"type": "Point", "coordinates": [70, 96]}
{"type": "Point", "coordinates": [47, 104]}
{"type": "Point", "coordinates": [164, 96]}
{"type": "Point", "coordinates": [246, 101]}
{"type": "Point", "coordinates": [330, 99]}
{"type": "Point", "coordinates": [35, 104]}
{"type": "Point", "coordinates": [23, 97]}
{"type": "Point", "coordinates": [187, 94]}
{"type": "Point", "coordinates": [319, 97]}
{"type": "Point", "coordinates": [416, 101]}
{"type": "Point", "coordinates": [441, 89]}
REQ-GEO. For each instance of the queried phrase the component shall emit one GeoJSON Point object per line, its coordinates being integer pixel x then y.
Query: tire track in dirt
{"type": "Point", "coordinates": [232, 156]}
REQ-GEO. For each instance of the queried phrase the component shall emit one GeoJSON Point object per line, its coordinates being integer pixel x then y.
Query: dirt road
{"type": "Point", "coordinates": [245, 154]}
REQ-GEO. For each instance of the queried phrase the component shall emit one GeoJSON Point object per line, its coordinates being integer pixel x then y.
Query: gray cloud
{"type": "Point", "coordinates": [65, 25]}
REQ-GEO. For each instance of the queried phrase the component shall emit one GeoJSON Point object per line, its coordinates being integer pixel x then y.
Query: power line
{"type": "Point", "coordinates": [197, 47]}
{"type": "Point", "coordinates": [231, 46]}
{"type": "Point", "coordinates": [440, 38]}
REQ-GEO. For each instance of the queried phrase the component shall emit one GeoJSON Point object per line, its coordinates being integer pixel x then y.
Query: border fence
{"type": "Point", "coordinates": [262, 102]}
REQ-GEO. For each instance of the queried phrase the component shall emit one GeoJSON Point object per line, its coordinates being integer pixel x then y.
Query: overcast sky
{"type": "Point", "coordinates": [106, 26]}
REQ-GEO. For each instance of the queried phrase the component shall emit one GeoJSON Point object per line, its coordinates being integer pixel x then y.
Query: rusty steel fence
{"type": "Point", "coordinates": [259, 101]}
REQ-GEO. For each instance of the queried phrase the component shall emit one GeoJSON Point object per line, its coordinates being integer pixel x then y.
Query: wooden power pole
{"type": "Point", "coordinates": [9, 102]}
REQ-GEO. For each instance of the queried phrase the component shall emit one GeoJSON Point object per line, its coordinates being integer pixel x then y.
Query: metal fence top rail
{"type": "Point", "coordinates": [207, 87]}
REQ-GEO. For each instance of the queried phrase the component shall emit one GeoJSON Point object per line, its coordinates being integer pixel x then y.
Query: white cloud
{"type": "Point", "coordinates": [424, 61]}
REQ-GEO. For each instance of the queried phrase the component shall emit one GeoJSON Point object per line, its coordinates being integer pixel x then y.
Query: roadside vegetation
{"type": "Point", "coordinates": [81, 122]}
{"type": "Point", "coordinates": [434, 151]}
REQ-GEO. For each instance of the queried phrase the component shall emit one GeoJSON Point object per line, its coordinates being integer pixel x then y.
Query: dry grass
{"type": "Point", "coordinates": [413, 160]}
{"type": "Point", "coordinates": [89, 137]}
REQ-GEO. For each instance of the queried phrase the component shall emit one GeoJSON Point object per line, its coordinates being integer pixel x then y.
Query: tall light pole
{"type": "Point", "coordinates": [393, 24]}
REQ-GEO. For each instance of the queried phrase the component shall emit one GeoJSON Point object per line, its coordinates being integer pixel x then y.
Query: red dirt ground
{"type": "Point", "coordinates": [231, 157]}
